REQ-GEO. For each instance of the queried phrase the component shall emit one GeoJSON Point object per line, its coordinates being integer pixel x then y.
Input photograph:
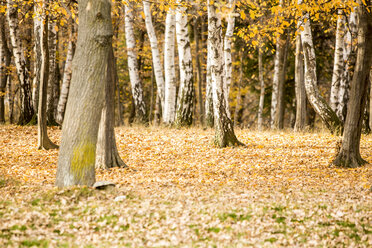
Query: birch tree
{"type": "Point", "coordinates": [137, 89]}
{"type": "Point", "coordinates": [321, 107]}
{"type": "Point", "coordinates": [185, 101]}
{"type": "Point", "coordinates": [169, 112]}
{"type": "Point", "coordinates": [300, 87]}
{"type": "Point", "coordinates": [37, 52]}
{"type": "Point", "coordinates": [156, 61]}
{"type": "Point", "coordinates": [26, 111]}
{"type": "Point", "coordinates": [224, 131]}
{"type": "Point", "coordinates": [349, 154]}
{"type": "Point", "coordinates": [5, 58]}
{"type": "Point", "coordinates": [262, 91]}
{"type": "Point", "coordinates": [76, 161]}
{"type": "Point", "coordinates": [209, 114]}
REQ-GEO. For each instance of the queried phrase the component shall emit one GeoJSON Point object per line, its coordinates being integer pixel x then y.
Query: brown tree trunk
{"type": "Point", "coordinates": [199, 70]}
{"type": "Point", "coordinates": [349, 155]}
{"type": "Point", "coordinates": [77, 156]}
{"type": "Point", "coordinates": [5, 57]}
{"type": "Point", "coordinates": [43, 140]}
{"type": "Point", "coordinates": [107, 152]}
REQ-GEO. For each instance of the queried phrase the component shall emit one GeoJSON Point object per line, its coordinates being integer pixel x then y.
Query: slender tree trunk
{"type": "Point", "coordinates": [209, 115]}
{"type": "Point", "coordinates": [238, 98]}
{"type": "Point", "coordinates": [10, 99]}
{"type": "Point", "coordinates": [53, 76]}
{"type": "Point", "coordinates": [262, 92]}
{"type": "Point", "coordinates": [67, 73]}
{"type": "Point", "coordinates": [107, 155]}
{"type": "Point", "coordinates": [26, 111]}
{"type": "Point", "coordinates": [158, 71]}
{"type": "Point", "coordinates": [5, 58]}
{"type": "Point", "coordinates": [300, 87]}
{"type": "Point", "coordinates": [184, 114]}
{"type": "Point", "coordinates": [224, 134]}
{"type": "Point", "coordinates": [137, 89]}
{"type": "Point", "coordinates": [169, 109]}
{"type": "Point", "coordinates": [43, 140]}
{"type": "Point", "coordinates": [349, 155]}
{"type": "Point", "coordinates": [328, 116]}
{"type": "Point", "coordinates": [197, 21]}
{"type": "Point", "coordinates": [77, 154]}
{"type": "Point", "coordinates": [37, 61]}
{"type": "Point", "coordinates": [228, 40]}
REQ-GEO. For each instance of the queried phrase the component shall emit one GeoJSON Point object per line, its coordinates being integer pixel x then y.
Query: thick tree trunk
{"type": "Point", "coordinates": [5, 58]}
{"type": "Point", "coordinates": [77, 154]}
{"type": "Point", "coordinates": [66, 76]}
{"type": "Point", "coordinates": [349, 155]}
{"type": "Point", "coordinates": [300, 87]}
{"type": "Point", "coordinates": [224, 134]}
{"type": "Point", "coordinates": [262, 92]}
{"type": "Point", "coordinates": [321, 107]}
{"type": "Point", "coordinates": [37, 61]}
{"type": "Point", "coordinates": [43, 140]}
{"type": "Point", "coordinates": [137, 89]}
{"type": "Point", "coordinates": [26, 111]}
{"type": "Point", "coordinates": [107, 155]}
{"type": "Point", "coordinates": [228, 40]}
{"type": "Point", "coordinates": [184, 114]}
{"type": "Point", "coordinates": [199, 69]}
{"type": "Point", "coordinates": [156, 61]}
{"type": "Point", "coordinates": [169, 109]}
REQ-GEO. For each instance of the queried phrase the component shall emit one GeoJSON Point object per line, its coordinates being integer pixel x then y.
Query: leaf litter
{"type": "Point", "coordinates": [181, 191]}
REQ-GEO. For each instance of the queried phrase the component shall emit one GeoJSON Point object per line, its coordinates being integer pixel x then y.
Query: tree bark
{"type": "Point", "coordinates": [107, 155]}
{"type": "Point", "coordinates": [169, 109]}
{"type": "Point", "coordinates": [37, 61]}
{"type": "Point", "coordinates": [329, 117]}
{"type": "Point", "coordinates": [137, 89]}
{"type": "Point", "coordinates": [158, 71]}
{"type": "Point", "coordinates": [76, 162]}
{"type": "Point", "coordinates": [262, 92]}
{"type": "Point", "coordinates": [61, 107]}
{"type": "Point", "coordinates": [43, 140]}
{"type": "Point", "coordinates": [185, 102]}
{"type": "Point", "coordinates": [224, 131]}
{"type": "Point", "coordinates": [300, 87]}
{"type": "Point", "coordinates": [5, 58]}
{"type": "Point", "coordinates": [197, 21]}
{"type": "Point", "coordinates": [209, 115]}
{"type": "Point", "coordinates": [53, 83]}
{"type": "Point", "coordinates": [349, 155]}
{"type": "Point", "coordinates": [26, 109]}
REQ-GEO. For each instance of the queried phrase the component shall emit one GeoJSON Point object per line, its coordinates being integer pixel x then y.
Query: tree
{"type": "Point", "coordinates": [185, 101]}
{"type": "Point", "coordinates": [169, 109]}
{"type": "Point", "coordinates": [224, 134]}
{"type": "Point", "coordinates": [300, 87]}
{"type": "Point", "coordinates": [37, 53]}
{"type": "Point", "coordinates": [209, 114]}
{"type": "Point", "coordinates": [76, 161]}
{"type": "Point", "coordinates": [137, 89]}
{"type": "Point", "coordinates": [262, 91]}
{"type": "Point", "coordinates": [43, 140]}
{"type": "Point", "coordinates": [5, 58]}
{"type": "Point", "coordinates": [26, 111]}
{"type": "Point", "coordinates": [107, 155]}
{"type": "Point", "coordinates": [349, 154]}
{"type": "Point", "coordinates": [321, 107]}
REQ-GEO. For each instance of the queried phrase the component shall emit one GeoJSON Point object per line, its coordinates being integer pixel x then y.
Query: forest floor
{"type": "Point", "coordinates": [180, 190]}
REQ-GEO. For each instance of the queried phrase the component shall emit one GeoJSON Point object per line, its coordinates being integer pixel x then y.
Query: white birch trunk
{"type": "Point", "coordinates": [26, 111]}
{"type": "Point", "coordinates": [224, 134]}
{"type": "Point", "coordinates": [66, 77]}
{"type": "Point", "coordinates": [227, 52]}
{"type": "Point", "coordinates": [209, 115]}
{"type": "Point", "coordinates": [262, 92]}
{"type": "Point", "coordinates": [169, 113]}
{"type": "Point", "coordinates": [186, 90]}
{"type": "Point", "coordinates": [328, 116]}
{"type": "Point", "coordinates": [156, 61]}
{"type": "Point", "coordinates": [37, 62]}
{"type": "Point", "coordinates": [137, 90]}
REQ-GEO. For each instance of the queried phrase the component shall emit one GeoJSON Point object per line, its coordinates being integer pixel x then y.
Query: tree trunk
{"type": "Point", "coordinates": [262, 92]}
{"type": "Point", "coordinates": [77, 154]}
{"type": "Point", "coordinates": [238, 97]}
{"type": "Point", "coordinates": [224, 134]}
{"type": "Point", "coordinates": [137, 89]}
{"type": "Point", "coordinates": [300, 87]}
{"type": "Point", "coordinates": [107, 152]}
{"type": "Point", "coordinates": [328, 116]}
{"type": "Point", "coordinates": [209, 115]}
{"type": "Point", "coordinates": [199, 70]}
{"type": "Point", "coordinates": [10, 99]}
{"type": "Point", "coordinates": [349, 155]}
{"type": "Point", "coordinates": [66, 76]}
{"type": "Point", "coordinates": [184, 114]}
{"type": "Point", "coordinates": [43, 140]}
{"type": "Point", "coordinates": [5, 58]}
{"type": "Point", "coordinates": [37, 61]}
{"type": "Point", "coordinates": [53, 76]}
{"type": "Point", "coordinates": [169, 109]}
{"type": "Point", "coordinates": [26, 109]}
{"type": "Point", "coordinates": [158, 71]}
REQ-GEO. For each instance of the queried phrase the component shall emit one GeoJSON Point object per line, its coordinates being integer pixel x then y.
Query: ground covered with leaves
{"type": "Point", "coordinates": [181, 191]}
